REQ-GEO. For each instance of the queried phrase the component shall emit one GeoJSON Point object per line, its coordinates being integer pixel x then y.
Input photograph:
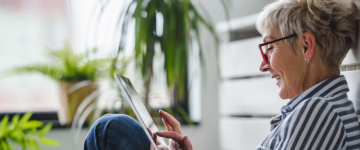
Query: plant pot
{"type": "Point", "coordinates": [70, 101]}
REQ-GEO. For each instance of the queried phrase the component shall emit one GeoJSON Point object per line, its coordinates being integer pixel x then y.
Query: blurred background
{"type": "Point", "coordinates": [197, 60]}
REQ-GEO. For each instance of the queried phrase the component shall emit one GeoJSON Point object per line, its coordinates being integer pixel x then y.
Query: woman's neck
{"type": "Point", "coordinates": [318, 73]}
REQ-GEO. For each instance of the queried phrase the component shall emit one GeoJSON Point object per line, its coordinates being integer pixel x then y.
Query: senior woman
{"type": "Point", "coordinates": [305, 43]}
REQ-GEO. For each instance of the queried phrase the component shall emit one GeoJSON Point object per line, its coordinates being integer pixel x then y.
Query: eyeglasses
{"type": "Point", "coordinates": [270, 45]}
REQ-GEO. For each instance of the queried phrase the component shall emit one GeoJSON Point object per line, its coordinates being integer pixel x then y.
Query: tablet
{"type": "Point", "coordinates": [137, 105]}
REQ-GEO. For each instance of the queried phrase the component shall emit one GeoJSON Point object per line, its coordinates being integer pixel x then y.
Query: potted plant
{"type": "Point", "coordinates": [76, 75]}
{"type": "Point", "coordinates": [180, 32]}
{"type": "Point", "coordinates": [24, 132]}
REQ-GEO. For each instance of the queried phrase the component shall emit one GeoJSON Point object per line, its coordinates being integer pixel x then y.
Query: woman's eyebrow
{"type": "Point", "coordinates": [269, 38]}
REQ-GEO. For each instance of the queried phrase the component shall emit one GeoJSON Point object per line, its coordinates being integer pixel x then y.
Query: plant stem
{"type": "Point", "coordinates": [147, 89]}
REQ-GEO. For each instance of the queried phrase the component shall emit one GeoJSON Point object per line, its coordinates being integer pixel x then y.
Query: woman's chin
{"type": "Point", "coordinates": [283, 94]}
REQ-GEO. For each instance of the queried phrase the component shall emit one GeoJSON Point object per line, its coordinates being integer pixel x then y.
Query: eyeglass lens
{"type": "Point", "coordinates": [266, 49]}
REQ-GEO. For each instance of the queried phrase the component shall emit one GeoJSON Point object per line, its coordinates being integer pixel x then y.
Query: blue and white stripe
{"type": "Point", "coordinates": [321, 118]}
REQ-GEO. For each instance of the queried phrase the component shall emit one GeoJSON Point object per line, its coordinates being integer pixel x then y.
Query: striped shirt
{"type": "Point", "coordinates": [321, 118]}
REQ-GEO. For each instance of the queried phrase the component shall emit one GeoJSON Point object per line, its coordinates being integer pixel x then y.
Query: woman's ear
{"type": "Point", "coordinates": [308, 46]}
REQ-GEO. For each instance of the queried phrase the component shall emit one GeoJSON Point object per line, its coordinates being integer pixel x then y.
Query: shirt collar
{"type": "Point", "coordinates": [325, 88]}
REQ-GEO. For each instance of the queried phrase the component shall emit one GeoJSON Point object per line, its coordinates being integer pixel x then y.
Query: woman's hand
{"type": "Point", "coordinates": [154, 137]}
{"type": "Point", "coordinates": [173, 132]}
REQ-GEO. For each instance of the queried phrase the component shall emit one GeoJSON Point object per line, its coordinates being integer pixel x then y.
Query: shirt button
{"type": "Point", "coordinates": [285, 109]}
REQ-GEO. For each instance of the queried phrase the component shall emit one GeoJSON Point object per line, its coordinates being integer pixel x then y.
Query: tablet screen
{"type": "Point", "coordinates": [130, 94]}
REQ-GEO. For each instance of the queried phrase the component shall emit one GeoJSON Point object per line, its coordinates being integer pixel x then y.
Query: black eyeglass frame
{"type": "Point", "coordinates": [260, 45]}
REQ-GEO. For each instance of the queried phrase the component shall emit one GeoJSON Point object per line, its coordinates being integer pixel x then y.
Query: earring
{"type": "Point", "coordinates": [305, 60]}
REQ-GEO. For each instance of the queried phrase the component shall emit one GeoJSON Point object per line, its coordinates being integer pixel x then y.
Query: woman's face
{"type": "Point", "coordinates": [284, 65]}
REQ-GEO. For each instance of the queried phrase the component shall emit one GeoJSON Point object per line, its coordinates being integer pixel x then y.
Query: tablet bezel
{"type": "Point", "coordinates": [129, 99]}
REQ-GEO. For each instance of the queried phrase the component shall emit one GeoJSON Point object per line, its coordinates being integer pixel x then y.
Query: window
{"type": "Point", "coordinates": [28, 29]}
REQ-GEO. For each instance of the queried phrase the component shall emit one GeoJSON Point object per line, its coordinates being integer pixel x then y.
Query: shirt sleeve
{"type": "Point", "coordinates": [314, 125]}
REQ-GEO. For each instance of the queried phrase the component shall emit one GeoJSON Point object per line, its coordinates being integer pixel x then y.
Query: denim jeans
{"type": "Point", "coordinates": [116, 132]}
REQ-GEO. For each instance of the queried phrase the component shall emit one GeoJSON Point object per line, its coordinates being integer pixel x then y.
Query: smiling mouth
{"type": "Point", "coordinates": [277, 77]}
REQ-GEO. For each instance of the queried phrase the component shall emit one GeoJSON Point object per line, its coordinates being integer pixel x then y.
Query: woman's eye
{"type": "Point", "coordinates": [270, 48]}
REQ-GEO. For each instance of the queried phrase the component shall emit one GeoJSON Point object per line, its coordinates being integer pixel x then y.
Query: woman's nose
{"type": "Point", "coordinates": [264, 66]}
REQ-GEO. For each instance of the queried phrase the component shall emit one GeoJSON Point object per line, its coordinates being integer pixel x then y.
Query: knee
{"type": "Point", "coordinates": [110, 122]}
{"type": "Point", "coordinates": [115, 129]}
{"type": "Point", "coordinates": [114, 120]}
{"type": "Point", "coordinates": [109, 126]}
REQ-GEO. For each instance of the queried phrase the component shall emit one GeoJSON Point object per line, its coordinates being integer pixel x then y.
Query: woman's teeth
{"type": "Point", "coordinates": [277, 78]}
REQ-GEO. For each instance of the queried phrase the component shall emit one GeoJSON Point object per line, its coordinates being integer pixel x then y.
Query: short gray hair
{"type": "Point", "coordinates": [332, 22]}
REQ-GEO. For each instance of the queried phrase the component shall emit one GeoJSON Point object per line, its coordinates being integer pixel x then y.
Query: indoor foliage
{"type": "Point", "coordinates": [181, 22]}
{"type": "Point", "coordinates": [68, 66]}
{"type": "Point", "coordinates": [24, 132]}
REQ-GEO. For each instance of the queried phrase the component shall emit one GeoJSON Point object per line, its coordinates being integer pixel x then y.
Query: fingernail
{"type": "Point", "coordinates": [187, 140]}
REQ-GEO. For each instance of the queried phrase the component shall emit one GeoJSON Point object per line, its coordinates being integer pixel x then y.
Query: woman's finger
{"type": "Point", "coordinates": [167, 126]}
{"type": "Point", "coordinates": [160, 147]}
{"type": "Point", "coordinates": [149, 131]}
{"type": "Point", "coordinates": [163, 147]}
{"type": "Point", "coordinates": [171, 135]}
{"type": "Point", "coordinates": [154, 137]}
{"type": "Point", "coordinates": [187, 143]}
{"type": "Point", "coordinates": [175, 125]}
{"type": "Point", "coordinates": [151, 147]}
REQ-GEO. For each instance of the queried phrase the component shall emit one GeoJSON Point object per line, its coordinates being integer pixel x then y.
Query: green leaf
{"type": "Point", "coordinates": [33, 131]}
{"type": "Point", "coordinates": [25, 118]}
{"type": "Point", "coordinates": [20, 142]}
{"type": "Point", "coordinates": [29, 144]}
{"type": "Point", "coordinates": [15, 121]}
{"type": "Point", "coordinates": [32, 124]}
{"type": "Point", "coordinates": [168, 110]}
{"type": "Point", "coordinates": [45, 129]}
{"type": "Point", "coordinates": [36, 145]}
{"type": "Point", "coordinates": [48, 141]}
{"type": "Point", "coordinates": [17, 133]}
{"type": "Point", "coordinates": [45, 69]}
{"type": "Point", "coordinates": [3, 126]}
{"type": "Point", "coordinates": [5, 145]}
{"type": "Point", "coordinates": [66, 66]}
{"type": "Point", "coordinates": [185, 115]}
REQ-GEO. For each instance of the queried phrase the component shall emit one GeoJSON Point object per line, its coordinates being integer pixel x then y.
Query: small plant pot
{"type": "Point", "coordinates": [70, 100]}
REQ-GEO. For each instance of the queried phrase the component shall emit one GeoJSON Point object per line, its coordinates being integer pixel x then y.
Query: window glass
{"type": "Point", "coordinates": [29, 29]}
